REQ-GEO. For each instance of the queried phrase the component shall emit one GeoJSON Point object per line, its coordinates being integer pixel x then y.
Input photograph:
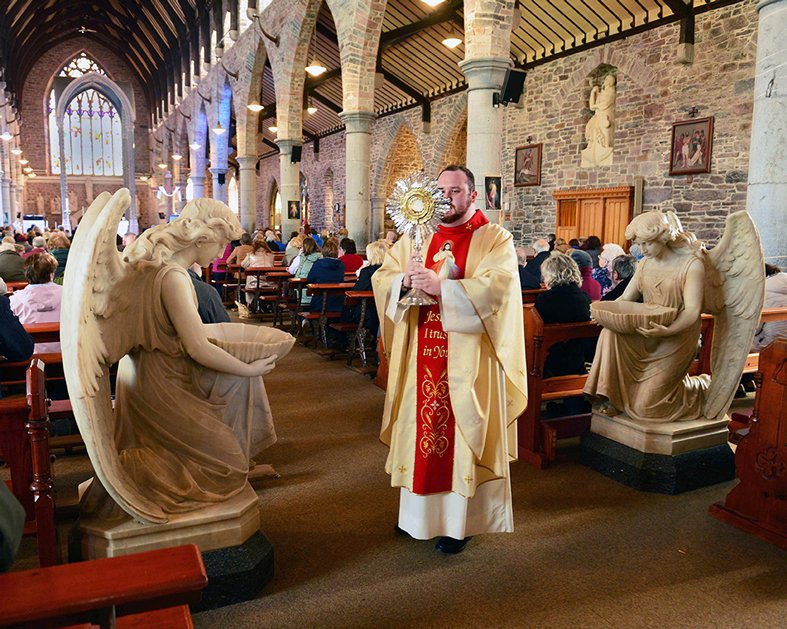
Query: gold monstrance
{"type": "Point", "coordinates": [416, 207]}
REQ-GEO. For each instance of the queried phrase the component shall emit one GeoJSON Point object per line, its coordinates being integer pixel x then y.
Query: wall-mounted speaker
{"type": "Point", "coordinates": [297, 152]}
{"type": "Point", "coordinates": [513, 86]}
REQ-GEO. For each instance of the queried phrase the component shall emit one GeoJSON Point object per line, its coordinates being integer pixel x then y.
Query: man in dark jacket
{"type": "Point", "coordinates": [541, 247]}
{"type": "Point", "coordinates": [11, 263]}
{"type": "Point", "coordinates": [15, 343]}
{"type": "Point", "coordinates": [527, 281]}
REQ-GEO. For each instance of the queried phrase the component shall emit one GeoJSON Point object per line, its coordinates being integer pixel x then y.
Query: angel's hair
{"type": "Point", "coordinates": [208, 219]}
{"type": "Point", "coordinates": [656, 226]}
{"type": "Point", "coordinates": [559, 269]}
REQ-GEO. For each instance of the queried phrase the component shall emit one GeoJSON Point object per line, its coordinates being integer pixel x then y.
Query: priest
{"type": "Point", "coordinates": [457, 377]}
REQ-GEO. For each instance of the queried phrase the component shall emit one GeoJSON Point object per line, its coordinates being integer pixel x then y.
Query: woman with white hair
{"type": "Point", "coordinates": [603, 273]}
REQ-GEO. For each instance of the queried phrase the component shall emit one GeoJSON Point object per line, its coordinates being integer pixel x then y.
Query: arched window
{"type": "Point", "coordinates": [92, 129]}
{"type": "Point", "coordinates": [233, 195]}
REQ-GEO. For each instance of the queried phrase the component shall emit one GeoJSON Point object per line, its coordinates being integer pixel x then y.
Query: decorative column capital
{"type": "Point", "coordinates": [358, 121]}
{"type": "Point", "coordinates": [247, 162]}
{"type": "Point", "coordinates": [285, 146]}
{"type": "Point", "coordinates": [218, 170]}
{"type": "Point", "coordinates": [485, 72]}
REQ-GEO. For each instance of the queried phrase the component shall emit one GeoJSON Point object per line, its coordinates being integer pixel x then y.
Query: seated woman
{"type": "Point", "coordinates": [348, 255]}
{"type": "Point", "coordinates": [603, 274]}
{"type": "Point", "coordinates": [326, 269]}
{"type": "Point", "coordinates": [308, 256]}
{"type": "Point", "coordinates": [39, 302]}
{"type": "Point", "coordinates": [565, 302]}
{"type": "Point", "coordinates": [589, 286]}
{"type": "Point", "coordinates": [58, 247]}
{"type": "Point", "coordinates": [260, 256]}
{"type": "Point", "coordinates": [375, 254]}
{"type": "Point", "coordinates": [240, 252]}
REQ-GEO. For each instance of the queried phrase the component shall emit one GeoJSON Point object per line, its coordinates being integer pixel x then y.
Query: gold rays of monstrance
{"type": "Point", "coordinates": [416, 206]}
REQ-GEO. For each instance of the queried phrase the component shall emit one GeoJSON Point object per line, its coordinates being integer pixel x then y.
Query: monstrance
{"type": "Point", "coordinates": [416, 207]}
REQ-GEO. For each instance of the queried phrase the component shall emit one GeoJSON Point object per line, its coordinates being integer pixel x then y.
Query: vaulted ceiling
{"type": "Point", "coordinates": [158, 38]}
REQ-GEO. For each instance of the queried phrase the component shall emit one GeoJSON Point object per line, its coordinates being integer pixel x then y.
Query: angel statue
{"type": "Point", "coordinates": [645, 351]}
{"type": "Point", "coordinates": [190, 409]}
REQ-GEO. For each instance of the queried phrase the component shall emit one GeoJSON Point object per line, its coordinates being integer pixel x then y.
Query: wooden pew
{"type": "Point", "coordinates": [529, 296]}
{"type": "Point", "coordinates": [319, 320]}
{"type": "Point", "coordinates": [265, 290]}
{"type": "Point", "coordinates": [757, 504]}
{"type": "Point", "coordinates": [149, 589]}
{"type": "Point", "coordinates": [24, 443]}
{"type": "Point", "coordinates": [357, 331]}
{"type": "Point", "coordinates": [537, 440]}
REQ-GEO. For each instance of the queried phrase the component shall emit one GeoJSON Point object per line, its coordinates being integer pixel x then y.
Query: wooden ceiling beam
{"type": "Point", "coordinates": [444, 14]}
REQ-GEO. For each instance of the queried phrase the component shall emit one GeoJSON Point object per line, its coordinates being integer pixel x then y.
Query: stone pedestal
{"type": "Point", "coordinates": [661, 458]}
{"type": "Point", "coordinates": [238, 558]}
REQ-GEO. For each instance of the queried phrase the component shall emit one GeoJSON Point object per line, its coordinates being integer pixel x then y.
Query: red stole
{"type": "Point", "coordinates": [435, 428]}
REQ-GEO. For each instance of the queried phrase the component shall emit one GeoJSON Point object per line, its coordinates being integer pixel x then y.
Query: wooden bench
{"type": "Point", "coordinates": [529, 296]}
{"type": "Point", "coordinates": [319, 320]}
{"type": "Point", "coordinates": [265, 289]}
{"type": "Point", "coordinates": [357, 332]}
{"type": "Point", "coordinates": [538, 439]}
{"type": "Point", "coordinates": [149, 589]}
{"type": "Point", "coordinates": [24, 443]}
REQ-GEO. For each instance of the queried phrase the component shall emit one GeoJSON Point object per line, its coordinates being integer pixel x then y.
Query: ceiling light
{"type": "Point", "coordinates": [255, 107]}
{"type": "Point", "coordinates": [452, 41]}
{"type": "Point", "coordinates": [311, 109]}
{"type": "Point", "coordinates": [432, 3]}
{"type": "Point", "coordinates": [6, 136]}
{"type": "Point", "coordinates": [32, 175]}
{"type": "Point", "coordinates": [315, 69]}
{"type": "Point", "coordinates": [162, 165]}
{"type": "Point", "coordinates": [273, 129]}
{"type": "Point", "coordinates": [218, 129]}
{"type": "Point", "coordinates": [195, 146]}
{"type": "Point", "coordinates": [143, 178]}
{"type": "Point", "coordinates": [27, 169]}
{"type": "Point", "coordinates": [24, 161]}
{"type": "Point", "coordinates": [16, 151]}
{"type": "Point", "coordinates": [177, 157]}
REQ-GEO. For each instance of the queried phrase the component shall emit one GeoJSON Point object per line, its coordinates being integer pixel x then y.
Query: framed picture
{"type": "Point", "coordinates": [691, 146]}
{"type": "Point", "coordinates": [527, 166]}
{"type": "Point", "coordinates": [294, 210]}
{"type": "Point", "coordinates": [338, 215]}
{"type": "Point", "coordinates": [492, 190]}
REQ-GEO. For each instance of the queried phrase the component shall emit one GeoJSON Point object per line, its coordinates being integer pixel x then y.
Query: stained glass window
{"type": "Point", "coordinates": [92, 129]}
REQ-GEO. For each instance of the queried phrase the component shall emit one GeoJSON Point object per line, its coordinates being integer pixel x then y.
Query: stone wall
{"type": "Point", "coordinates": [653, 91]}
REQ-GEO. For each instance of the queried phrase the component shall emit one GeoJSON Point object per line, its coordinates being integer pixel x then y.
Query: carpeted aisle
{"type": "Point", "coordinates": [586, 551]}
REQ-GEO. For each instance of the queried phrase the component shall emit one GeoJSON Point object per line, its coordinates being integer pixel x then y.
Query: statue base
{"type": "Point", "coordinates": [595, 155]}
{"type": "Point", "coordinates": [660, 458]}
{"type": "Point", "coordinates": [238, 558]}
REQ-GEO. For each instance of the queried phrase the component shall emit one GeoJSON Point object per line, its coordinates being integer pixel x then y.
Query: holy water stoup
{"type": "Point", "coordinates": [416, 207]}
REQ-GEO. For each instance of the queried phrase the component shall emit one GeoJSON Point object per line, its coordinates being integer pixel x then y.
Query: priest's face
{"type": "Point", "coordinates": [455, 187]}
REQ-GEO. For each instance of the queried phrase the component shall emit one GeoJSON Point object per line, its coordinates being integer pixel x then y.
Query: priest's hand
{"type": "Point", "coordinates": [413, 266]}
{"type": "Point", "coordinates": [427, 280]}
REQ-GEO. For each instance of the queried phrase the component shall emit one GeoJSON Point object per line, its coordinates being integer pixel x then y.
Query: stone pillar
{"type": "Point", "coordinates": [378, 216]}
{"type": "Point", "coordinates": [248, 191]}
{"type": "Point", "coordinates": [484, 122]}
{"type": "Point", "coordinates": [289, 187]}
{"type": "Point", "coordinates": [197, 186]}
{"type": "Point", "coordinates": [767, 195]}
{"type": "Point", "coordinates": [219, 189]}
{"type": "Point", "coordinates": [12, 200]}
{"type": "Point", "coordinates": [358, 140]}
{"type": "Point", "coordinates": [5, 196]}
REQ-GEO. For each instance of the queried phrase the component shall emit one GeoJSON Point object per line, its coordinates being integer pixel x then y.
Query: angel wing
{"type": "Point", "coordinates": [95, 291]}
{"type": "Point", "coordinates": [734, 294]}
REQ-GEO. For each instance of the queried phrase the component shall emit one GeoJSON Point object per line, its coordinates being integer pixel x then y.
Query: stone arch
{"type": "Point", "coordinates": [111, 90]}
{"type": "Point", "coordinates": [403, 160]}
{"type": "Point", "coordinates": [633, 67]}
{"type": "Point", "coordinates": [451, 144]}
{"type": "Point", "coordinates": [379, 166]}
{"type": "Point", "coordinates": [252, 93]}
{"type": "Point", "coordinates": [272, 218]}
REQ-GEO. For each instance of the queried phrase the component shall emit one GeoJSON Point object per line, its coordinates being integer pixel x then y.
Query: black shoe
{"type": "Point", "coordinates": [400, 531]}
{"type": "Point", "coordinates": [451, 546]}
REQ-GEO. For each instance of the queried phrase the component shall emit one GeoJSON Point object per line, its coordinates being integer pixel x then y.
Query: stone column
{"type": "Point", "coordinates": [12, 200]}
{"type": "Point", "coordinates": [248, 191]}
{"type": "Point", "coordinates": [197, 186]}
{"type": "Point", "coordinates": [5, 196]}
{"type": "Point", "coordinates": [219, 190]}
{"type": "Point", "coordinates": [289, 187]}
{"type": "Point", "coordinates": [358, 141]}
{"type": "Point", "coordinates": [378, 216]}
{"type": "Point", "coordinates": [484, 122]}
{"type": "Point", "coordinates": [767, 195]}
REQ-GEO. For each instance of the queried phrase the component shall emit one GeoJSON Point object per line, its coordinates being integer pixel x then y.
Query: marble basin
{"type": "Point", "coordinates": [624, 317]}
{"type": "Point", "coordinates": [250, 342]}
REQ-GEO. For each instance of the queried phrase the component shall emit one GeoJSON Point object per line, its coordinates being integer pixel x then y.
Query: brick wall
{"type": "Point", "coordinates": [653, 91]}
